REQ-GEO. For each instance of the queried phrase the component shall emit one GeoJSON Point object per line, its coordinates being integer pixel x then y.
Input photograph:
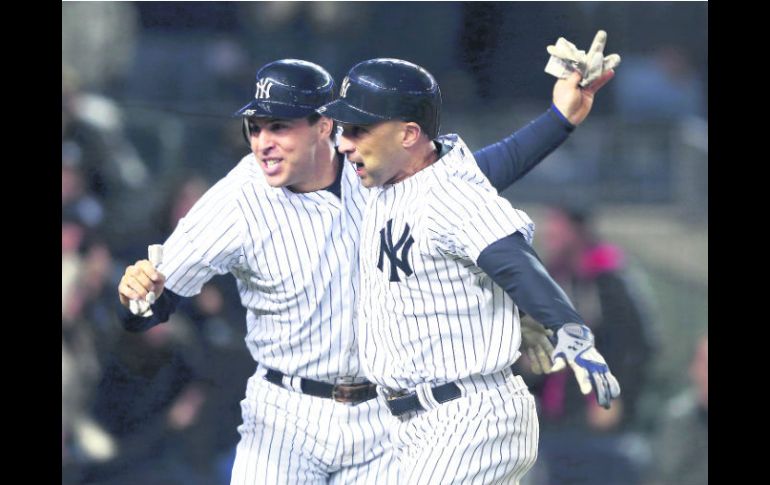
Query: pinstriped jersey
{"type": "Point", "coordinates": [427, 312]}
{"type": "Point", "coordinates": [294, 258]}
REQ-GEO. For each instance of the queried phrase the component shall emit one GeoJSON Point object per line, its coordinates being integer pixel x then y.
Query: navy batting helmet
{"type": "Point", "coordinates": [387, 89]}
{"type": "Point", "coordinates": [289, 88]}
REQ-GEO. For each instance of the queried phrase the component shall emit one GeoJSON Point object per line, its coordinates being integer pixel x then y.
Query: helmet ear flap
{"type": "Point", "coordinates": [245, 131]}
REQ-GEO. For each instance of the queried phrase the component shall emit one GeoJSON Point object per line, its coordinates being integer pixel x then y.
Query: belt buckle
{"type": "Point", "coordinates": [346, 391]}
{"type": "Point", "coordinates": [391, 394]}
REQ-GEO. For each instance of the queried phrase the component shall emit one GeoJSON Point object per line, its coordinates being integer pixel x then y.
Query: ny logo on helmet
{"type": "Point", "coordinates": [389, 249]}
{"type": "Point", "coordinates": [344, 87]}
{"type": "Point", "coordinates": [263, 89]}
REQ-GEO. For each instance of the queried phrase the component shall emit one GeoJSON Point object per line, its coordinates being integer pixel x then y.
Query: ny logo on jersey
{"type": "Point", "coordinates": [344, 87]}
{"type": "Point", "coordinates": [263, 89]}
{"type": "Point", "coordinates": [389, 249]}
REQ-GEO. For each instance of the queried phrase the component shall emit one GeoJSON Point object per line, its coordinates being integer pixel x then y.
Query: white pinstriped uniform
{"type": "Point", "coordinates": [440, 318]}
{"type": "Point", "coordinates": [294, 257]}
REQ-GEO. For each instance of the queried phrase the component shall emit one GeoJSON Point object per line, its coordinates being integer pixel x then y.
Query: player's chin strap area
{"type": "Point", "coordinates": [344, 391]}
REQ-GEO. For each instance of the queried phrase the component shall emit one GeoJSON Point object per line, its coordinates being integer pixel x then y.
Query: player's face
{"type": "Point", "coordinates": [375, 151]}
{"type": "Point", "coordinates": [289, 150]}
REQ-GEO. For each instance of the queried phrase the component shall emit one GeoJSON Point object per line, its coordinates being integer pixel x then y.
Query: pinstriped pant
{"type": "Point", "coordinates": [290, 438]}
{"type": "Point", "coordinates": [485, 437]}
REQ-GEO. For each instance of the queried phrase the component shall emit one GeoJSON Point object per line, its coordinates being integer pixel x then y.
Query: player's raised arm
{"type": "Point", "coordinates": [508, 160]}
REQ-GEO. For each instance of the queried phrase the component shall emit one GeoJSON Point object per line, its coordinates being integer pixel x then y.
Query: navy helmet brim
{"type": "Point", "coordinates": [274, 109]}
{"type": "Point", "coordinates": [339, 110]}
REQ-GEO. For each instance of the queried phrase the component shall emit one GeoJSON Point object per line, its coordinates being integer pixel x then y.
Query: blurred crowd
{"type": "Point", "coordinates": [156, 407]}
{"type": "Point", "coordinates": [162, 407]}
{"type": "Point", "coordinates": [580, 442]}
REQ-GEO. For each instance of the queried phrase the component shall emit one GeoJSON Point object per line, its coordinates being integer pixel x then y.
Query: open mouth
{"type": "Point", "coordinates": [271, 163]}
{"type": "Point", "coordinates": [359, 166]}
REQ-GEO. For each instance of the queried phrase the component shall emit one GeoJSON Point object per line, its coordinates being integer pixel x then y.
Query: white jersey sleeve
{"type": "Point", "coordinates": [206, 242]}
{"type": "Point", "coordinates": [470, 217]}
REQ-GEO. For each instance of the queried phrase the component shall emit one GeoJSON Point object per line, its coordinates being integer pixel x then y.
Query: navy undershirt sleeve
{"type": "Point", "coordinates": [513, 264]}
{"type": "Point", "coordinates": [506, 161]}
{"type": "Point", "coordinates": [162, 309]}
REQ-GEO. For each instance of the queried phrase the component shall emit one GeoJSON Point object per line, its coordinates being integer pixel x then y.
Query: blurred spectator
{"type": "Point", "coordinates": [86, 268]}
{"type": "Point", "coordinates": [155, 379]}
{"type": "Point", "coordinates": [76, 201]}
{"type": "Point", "coordinates": [185, 192]}
{"type": "Point", "coordinates": [149, 399]}
{"type": "Point", "coordinates": [86, 263]}
{"type": "Point", "coordinates": [582, 443]}
{"type": "Point", "coordinates": [86, 259]}
{"type": "Point", "coordinates": [178, 194]}
{"type": "Point", "coordinates": [100, 49]}
{"type": "Point", "coordinates": [681, 447]}
{"type": "Point", "coordinates": [95, 124]}
{"type": "Point", "coordinates": [231, 146]}
{"type": "Point", "coordinates": [94, 141]}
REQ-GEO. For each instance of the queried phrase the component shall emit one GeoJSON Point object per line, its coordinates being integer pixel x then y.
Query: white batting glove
{"type": "Point", "coordinates": [142, 307]}
{"type": "Point", "coordinates": [536, 344]}
{"type": "Point", "coordinates": [575, 346]}
{"type": "Point", "coordinates": [597, 64]}
{"type": "Point", "coordinates": [566, 58]}
{"type": "Point", "coordinates": [569, 53]}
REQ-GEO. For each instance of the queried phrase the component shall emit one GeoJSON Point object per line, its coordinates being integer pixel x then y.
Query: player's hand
{"type": "Point", "coordinates": [575, 102]}
{"type": "Point", "coordinates": [536, 344]}
{"type": "Point", "coordinates": [580, 75]}
{"type": "Point", "coordinates": [138, 281]}
{"type": "Point", "coordinates": [575, 346]}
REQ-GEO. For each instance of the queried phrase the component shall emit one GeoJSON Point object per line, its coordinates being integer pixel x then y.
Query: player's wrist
{"type": "Point", "coordinates": [561, 118]}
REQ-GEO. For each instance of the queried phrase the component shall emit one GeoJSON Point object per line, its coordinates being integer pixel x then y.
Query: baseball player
{"type": "Point", "coordinates": [445, 263]}
{"type": "Point", "coordinates": [286, 222]}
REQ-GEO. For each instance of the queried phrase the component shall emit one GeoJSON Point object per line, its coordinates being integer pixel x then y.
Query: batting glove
{"type": "Point", "coordinates": [569, 53]}
{"type": "Point", "coordinates": [565, 58]}
{"type": "Point", "coordinates": [142, 307]}
{"type": "Point", "coordinates": [597, 64]}
{"type": "Point", "coordinates": [575, 346]}
{"type": "Point", "coordinates": [536, 344]}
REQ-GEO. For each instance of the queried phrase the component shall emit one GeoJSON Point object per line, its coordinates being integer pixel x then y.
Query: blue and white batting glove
{"type": "Point", "coordinates": [575, 346]}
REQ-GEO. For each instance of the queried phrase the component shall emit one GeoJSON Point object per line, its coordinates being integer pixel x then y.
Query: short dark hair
{"type": "Point", "coordinates": [313, 119]}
